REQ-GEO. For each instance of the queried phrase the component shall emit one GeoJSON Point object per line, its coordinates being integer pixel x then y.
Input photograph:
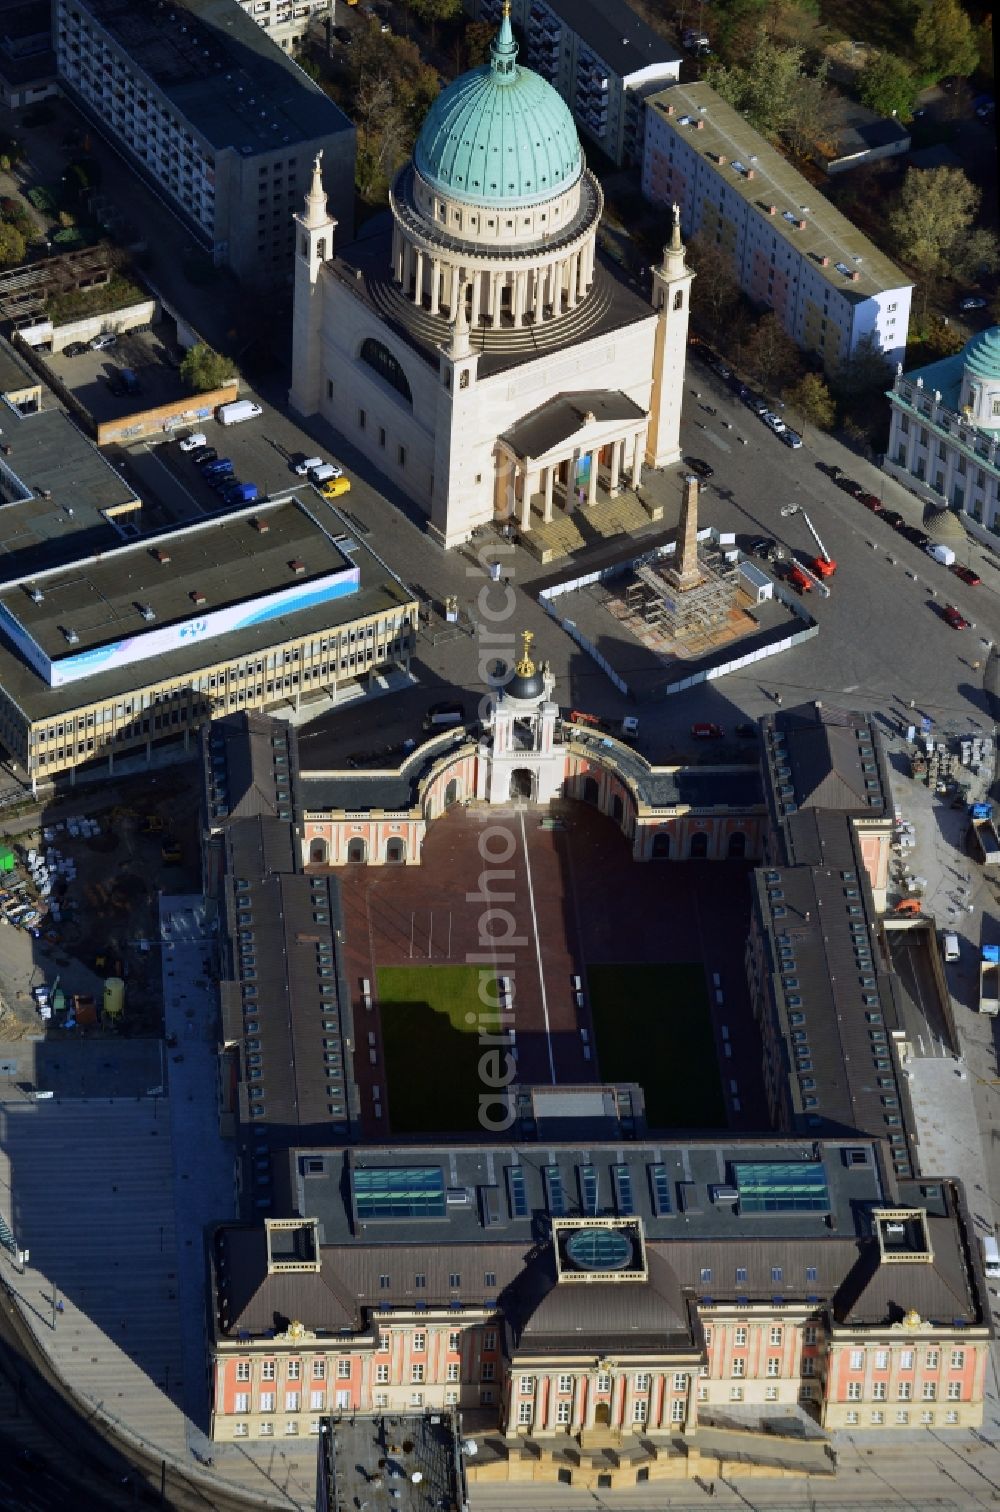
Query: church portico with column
{"type": "Point", "coordinates": [449, 342]}
{"type": "Point", "coordinates": [557, 457]}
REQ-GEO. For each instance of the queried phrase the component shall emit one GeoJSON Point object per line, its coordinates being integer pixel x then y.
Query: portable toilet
{"type": "Point", "coordinates": [114, 999]}
{"type": "Point", "coordinates": [7, 859]}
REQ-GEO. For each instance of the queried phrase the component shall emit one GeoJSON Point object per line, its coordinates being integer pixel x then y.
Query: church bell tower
{"type": "Point", "coordinates": [671, 301]}
{"type": "Point", "coordinates": [315, 228]}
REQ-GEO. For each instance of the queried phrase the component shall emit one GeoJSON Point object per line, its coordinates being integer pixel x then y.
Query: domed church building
{"type": "Point", "coordinates": [472, 342]}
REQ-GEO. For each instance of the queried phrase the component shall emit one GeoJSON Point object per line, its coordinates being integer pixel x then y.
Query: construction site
{"type": "Point", "coordinates": [79, 904]}
{"type": "Point", "coordinates": [684, 610]}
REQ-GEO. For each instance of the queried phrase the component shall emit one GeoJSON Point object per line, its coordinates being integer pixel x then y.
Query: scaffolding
{"type": "Point", "coordinates": [683, 614]}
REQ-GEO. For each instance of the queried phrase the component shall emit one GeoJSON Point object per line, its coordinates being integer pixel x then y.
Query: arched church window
{"type": "Point", "coordinates": [321, 249]}
{"type": "Point", "coordinates": [463, 381]}
{"type": "Point", "coordinates": [679, 300]}
{"type": "Point", "coordinates": [388, 368]}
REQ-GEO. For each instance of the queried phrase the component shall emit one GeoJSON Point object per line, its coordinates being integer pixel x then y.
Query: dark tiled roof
{"type": "Point", "coordinates": [559, 418]}
{"type": "Point", "coordinates": [283, 977]}
{"type": "Point", "coordinates": [249, 760]}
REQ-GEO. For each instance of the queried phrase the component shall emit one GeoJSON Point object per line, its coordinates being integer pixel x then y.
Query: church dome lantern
{"type": "Point", "coordinates": [499, 136]}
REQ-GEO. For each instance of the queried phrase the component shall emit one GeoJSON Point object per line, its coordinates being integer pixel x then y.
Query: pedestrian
{"type": "Point", "coordinates": [777, 699]}
{"type": "Point", "coordinates": [59, 1306]}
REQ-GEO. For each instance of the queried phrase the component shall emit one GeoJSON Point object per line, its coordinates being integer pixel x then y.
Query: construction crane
{"type": "Point", "coordinates": [822, 566]}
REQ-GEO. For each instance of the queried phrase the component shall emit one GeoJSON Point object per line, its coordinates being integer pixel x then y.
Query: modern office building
{"type": "Point", "coordinates": [215, 116]}
{"type": "Point", "coordinates": [944, 435]}
{"type": "Point", "coordinates": [790, 249]}
{"type": "Point", "coordinates": [601, 57]}
{"type": "Point", "coordinates": [111, 642]}
{"type": "Point", "coordinates": [287, 21]}
{"type": "Point", "coordinates": [595, 1308]}
{"type": "Point", "coordinates": [473, 344]}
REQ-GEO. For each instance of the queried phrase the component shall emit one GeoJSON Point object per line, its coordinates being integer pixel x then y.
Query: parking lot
{"type": "Point", "coordinates": [152, 355]}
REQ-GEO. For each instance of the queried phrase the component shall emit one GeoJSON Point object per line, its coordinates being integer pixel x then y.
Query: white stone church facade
{"type": "Point", "coordinates": [472, 343]}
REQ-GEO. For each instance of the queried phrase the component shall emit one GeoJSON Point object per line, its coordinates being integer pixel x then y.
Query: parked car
{"type": "Point", "coordinates": [103, 342]}
{"type": "Point", "coordinates": [916, 535]}
{"type": "Point", "coordinates": [705, 730]}
{"type": "Point", "coordinates": [972, 303]}
{"type": "Point", "coordinates": [124, 381]}
{"type": "Point", "coordinates": [206, 454]}
{"type": "Point", "coordinates": [773, 422]}
{"type": "Point", "coordinates": [222, 481]}
{"type": "Point", "coordinates": [761, 546]}
{"type": "Point", "coordinates": [955, 618]}
{"type": "Point", "coordinates": [757, 404]}
{"type": "Point", "coordinates": [791, 438]}
{"type": "Point", "coordinates": [217, 465]}
{"type": "Point", "coordinates": [334, 487]}
{"type": "Point", "coordinates": [967, 574]}
{"type": "Point", "coordinates": [697, 465]}
{"type": "Point", "coordinates": [75, 349]}
{"type": "Point", "coordinates": [196, 441]}
{"type": "Point", "coordinates": [850, 486]}
{"type": "Point", "coordinates": [893, 517]}
{"type": "Point", "coordinates": [871, 501]}
{"type": "Point", "coordinates": [306, 466]}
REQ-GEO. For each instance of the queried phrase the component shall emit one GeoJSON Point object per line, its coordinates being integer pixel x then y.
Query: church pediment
{"type": "Point", "coordinates": [571, 418]}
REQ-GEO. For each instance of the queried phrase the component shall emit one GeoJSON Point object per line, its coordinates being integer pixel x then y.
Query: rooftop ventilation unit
{"type": "Point", "coordinates": [196, 596]}
{"type": "Point", "coordinates": [71, 636]}
{"type": "Point", "coordinates": [35, 594]}
{"type": "Point", "coordinates": [146, 611]}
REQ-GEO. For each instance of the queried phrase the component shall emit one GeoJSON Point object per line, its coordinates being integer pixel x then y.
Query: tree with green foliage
{"type": "Point", "coordinates": [203, 370]}
{"type": "Point", "coordinates": [715, 293]}
{"type": "Point", "coordinates": [476, 39]}
{"type": "Point", "coordinates": [771, 354]}
{"type": "Point", "coordinates": [864, 374]}
{"type": "Point", "coordinates": [431, 12]}
{"type": "Point", "coordinates": [886, 84]}
{"type": "Point", "coordinates": [12, 245]}
{"type": "Point", "coordinates": [931, 221]}
{"type": "Point", "coordinates": [772, 87]}
{"type": "Point", "coordinates": [812, 402]}
{"type": "Point", "coordinates": [944, 41]}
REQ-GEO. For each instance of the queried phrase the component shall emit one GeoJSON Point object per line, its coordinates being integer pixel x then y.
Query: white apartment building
{"type": "Point", "coordinates": [215, 115]}
{"type": "Point", "coordinates": [601, 57]}
{"type": "Point", "coordinates": [791, 250]}
{"type": "Point", "coordinates": [944, 435]}
{"type": "Point", "coordinates": [286, 21]}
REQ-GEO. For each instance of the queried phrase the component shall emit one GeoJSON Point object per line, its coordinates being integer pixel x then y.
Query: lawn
{"type": "Point", "coordinates": [432, 1049]}
{"type": "Point", "coordinates": [652, 1026]}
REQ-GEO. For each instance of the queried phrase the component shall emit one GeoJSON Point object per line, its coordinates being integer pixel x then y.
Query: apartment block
{"type": "Point", "coordinates": [601, 57]}
{"type": "Point", "coordinates": [215, 116]}
{"type": "Point", "coordinates": [286, 21]}
{"type": "Point", "coordinates": [791, 251]}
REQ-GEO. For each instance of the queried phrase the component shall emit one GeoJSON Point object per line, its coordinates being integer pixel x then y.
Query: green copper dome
{"type": "Point", "coordinates": [499, 135]}
{"type": "Point", "coordinates": [982, 354]}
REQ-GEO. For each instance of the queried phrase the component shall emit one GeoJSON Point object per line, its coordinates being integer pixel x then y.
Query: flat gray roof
{"type": "Point", "coordinates": [722, 130]}
{"type": "Point", "coordinates": [614, 31]}
{"type": "Point", "coordinates": [226, 560]}
{"type": "Point", "coordinates": [55, 487]}
{"type": "Point", "coordinates": [379, 592]}
{"type": "Point", "coordinates": [222, 71]}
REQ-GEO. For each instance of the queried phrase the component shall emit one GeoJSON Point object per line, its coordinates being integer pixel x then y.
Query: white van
{"type": "Point", "coordinates": [237, 411]}
{"type": "Point", "coordinates": [942, 554]}
{"type": "Point", "coordinates": [949, 946]}
{"type": "Point", "coordinates": [991, 1257]}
